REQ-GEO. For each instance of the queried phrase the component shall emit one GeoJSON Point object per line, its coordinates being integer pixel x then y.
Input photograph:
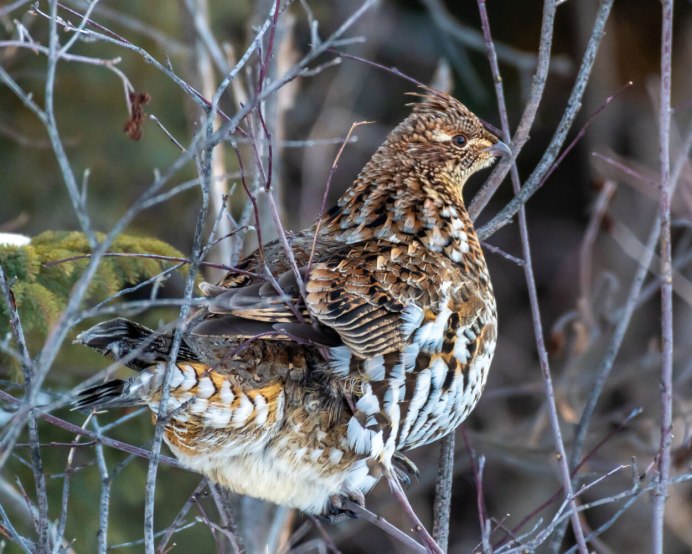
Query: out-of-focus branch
{"type": "Point", "coordinates": [468, 36]}
{"type": "Point", "coordinates": [206, 48]}
{"type": "Point", "coordinates": [666, 192]}
{"type": "Point", "coordinates": [624, 316]}
{"type": "Point", "coordinates": [12, 6]}
{"type": "Point", "coordinates": [631, 246]}
{"type": "Point", "coordinates": [585, 303]}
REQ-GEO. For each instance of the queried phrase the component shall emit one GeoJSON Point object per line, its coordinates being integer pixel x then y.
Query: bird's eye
{"type": "Point", "coordinates": [459, 140]}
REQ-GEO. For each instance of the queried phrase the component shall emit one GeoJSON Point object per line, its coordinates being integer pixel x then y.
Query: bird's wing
{"type": "Point", "coordinates": [272, 257]}
{"type": "Point", "coordinates": [369, 297]}
{"type": "Point", "coordinates": [372, 293]}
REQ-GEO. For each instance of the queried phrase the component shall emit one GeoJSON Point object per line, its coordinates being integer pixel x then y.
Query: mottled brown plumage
{"type": "Point", "coordinates": [301, 399]}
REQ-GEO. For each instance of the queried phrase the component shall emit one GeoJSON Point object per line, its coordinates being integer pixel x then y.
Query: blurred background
{"type": "Point", "coordinates": [582, 278]}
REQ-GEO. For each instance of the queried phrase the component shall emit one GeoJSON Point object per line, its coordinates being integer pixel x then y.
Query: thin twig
{"type": "Point", "coordinates": [533, 295]}
{"type": "Point", "coordinates": [34, 443]}
{"type": "Point", "coordinates": [379, 521]}
{"type": "Point", "coordinates": [66, 319]}
{"type": "Point", "coordinates": [418, 527]}
{"type": "Point", "coordinates": [582, 131]}
{"type": "Point", "coordinates": [325, 194]}
{"type": "Point", "coordinates": [556, 495]}
{"type": "Point", "coordinates": [227, 516]}
{"type": "Point", "coordinates": [77, 430]}
{"type": "Point", "coordinates": [521, 136]}
{"type": "Point", "coordinates": [67, 481]}
{"type": "Point", "coordinates": [43, 541]}
{"type": "Point", "coordinates": [53, 134]}
{"type": "Point", "coordinates": [224, 267]}
{"type": "Point", "coordinates": [624, 317]}
{"type": "Point", "coordinates": [104, 501]}
{"type": "Point", "coordinates": [477, 480]}
{"type": "Point", "coordinates": [162, 414]}
{"type": "Point", "coordinates": [24, 543]}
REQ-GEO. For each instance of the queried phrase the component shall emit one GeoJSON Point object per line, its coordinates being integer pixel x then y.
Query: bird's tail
{"type": "Point", "coordinates": [134, 345]}
{"type": "Point", "coordinates": [138, 348]}
{"type": "Point", "coordinates": [105, 395]}
{"type": "Point", "coordinates": [117, 393]}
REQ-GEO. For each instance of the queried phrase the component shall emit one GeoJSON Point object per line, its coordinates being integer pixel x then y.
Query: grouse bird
{"type": "Point", "coordinates": [306, 387]}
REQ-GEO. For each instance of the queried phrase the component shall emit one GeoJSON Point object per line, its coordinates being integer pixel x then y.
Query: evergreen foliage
{"type": "Point", "coordinates": [41, 287]}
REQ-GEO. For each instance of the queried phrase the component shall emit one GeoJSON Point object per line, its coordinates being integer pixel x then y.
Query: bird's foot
{"type": "Point", "coordinates": [337, 510]}
{"type": "Point", "coordinates": [404, 469]}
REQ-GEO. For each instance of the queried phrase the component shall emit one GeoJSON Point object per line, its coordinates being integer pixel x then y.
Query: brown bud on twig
{"type": "Point", "coordinates": [133, 126]}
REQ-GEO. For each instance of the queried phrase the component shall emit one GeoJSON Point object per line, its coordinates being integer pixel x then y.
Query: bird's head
{"type": "Point", "coordinates": [444, 139]}
{"type": "Point", "coordinates": [425, 160]}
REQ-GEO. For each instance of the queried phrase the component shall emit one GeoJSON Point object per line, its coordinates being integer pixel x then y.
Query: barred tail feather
{"type": "Point", "coordinates": [136, 346]}
{"type": "Point", "coordinates": [117, 393]}
{"type": "Point", "coordinates": [100, 396]}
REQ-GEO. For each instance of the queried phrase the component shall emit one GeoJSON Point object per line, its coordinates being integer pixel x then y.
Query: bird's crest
{"type": "Point", "coordinates": [434, 102]}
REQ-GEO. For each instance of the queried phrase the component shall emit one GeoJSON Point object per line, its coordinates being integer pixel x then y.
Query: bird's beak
{"type": "Point", "coordinates": [499, 149]}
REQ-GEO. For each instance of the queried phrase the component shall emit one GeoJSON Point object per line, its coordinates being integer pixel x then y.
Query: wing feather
{"type": "Point", "coordinates": [356, 295]}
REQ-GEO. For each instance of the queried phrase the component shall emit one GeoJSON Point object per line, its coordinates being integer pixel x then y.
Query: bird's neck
{"type": "Point", "coordinates": [401, 203]}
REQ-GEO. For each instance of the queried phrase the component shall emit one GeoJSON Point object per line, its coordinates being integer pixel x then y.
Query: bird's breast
{"type": "Point", "coordinates": [443, 367]}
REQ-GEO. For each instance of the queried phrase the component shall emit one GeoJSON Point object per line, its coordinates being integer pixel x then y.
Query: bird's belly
{"type": "Point", "coordinates": [276, 475]}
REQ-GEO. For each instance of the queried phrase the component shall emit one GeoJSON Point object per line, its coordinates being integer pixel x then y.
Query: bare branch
{"type": "Point", "coordinates": [443, 492]}
{"type": "Point", "coordinates": [661, 493]}
{"type": "Point", "coordinates": [533, 296]}
{"type": "Point", "coordinates": [521, 136]}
